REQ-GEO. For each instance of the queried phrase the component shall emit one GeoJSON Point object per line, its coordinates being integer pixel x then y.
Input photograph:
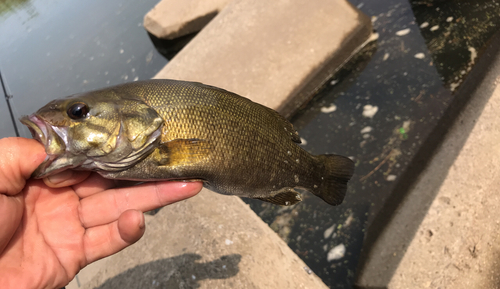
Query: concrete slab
{"type": "Point", "coordinates": [170, 19]}
{"type": "Point", "coordinates": [446, 233]}
{"type": "Point", "coordinates": [209, 241]}
{"type": "Point", "coordinates": [276, 53]}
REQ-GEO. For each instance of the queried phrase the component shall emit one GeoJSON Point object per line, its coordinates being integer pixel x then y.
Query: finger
{"type": "Point", "coordinates": [105, 240]}
{"type": "Point", "coordinates": [66, 178]}
{"type": "Point", "coordinates": [107, 206]}
{"type": "Point", "coordinates": [94, 184]}
{"type": "Point", "coordinates": [19, 157]}
{"type": "Point", "coordinates": [11, 212]}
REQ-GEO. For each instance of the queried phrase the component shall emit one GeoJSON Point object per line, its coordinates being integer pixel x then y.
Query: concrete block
{"type": "Point", "coordinates": [457, 244]}
{"type": "Point", "coordinates": [446, 233]}
{"type": "Point", "coordinates": [209, 241]}
{"type": "Point", "coordinates": [170, 19]}
{"type": "Point", "coordinates": [274, 52]}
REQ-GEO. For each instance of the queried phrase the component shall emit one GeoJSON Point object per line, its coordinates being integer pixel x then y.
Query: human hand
{"type": "Point", "coordinates": [50, 229]}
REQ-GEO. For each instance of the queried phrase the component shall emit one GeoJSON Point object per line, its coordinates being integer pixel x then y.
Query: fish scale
{"type": "Point", "coordinates": [234, 145]}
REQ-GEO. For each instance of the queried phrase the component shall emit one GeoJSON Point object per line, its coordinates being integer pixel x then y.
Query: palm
{"type": "Point", "coordinates": [64, 229]}
{"type": "Point", "coordinates": [50, 224]}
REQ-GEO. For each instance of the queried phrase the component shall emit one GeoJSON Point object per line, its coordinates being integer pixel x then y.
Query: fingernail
{"type": "Point", "coordinates": [142, 225]}
{"type": "Point", "coordinates": [60, 177]}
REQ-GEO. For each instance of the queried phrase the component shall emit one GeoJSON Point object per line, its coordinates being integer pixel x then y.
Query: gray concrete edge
{"type": "Point", "coordinates": [354, 43]}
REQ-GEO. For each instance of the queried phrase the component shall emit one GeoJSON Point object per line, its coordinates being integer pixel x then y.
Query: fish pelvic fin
{"type": "Point", "coordinates": [287, 197]}
{"type": "Point", "coordinates": [338, 170]}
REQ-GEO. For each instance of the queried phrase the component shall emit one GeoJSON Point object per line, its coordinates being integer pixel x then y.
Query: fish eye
{"type": "Point", "coordinates": [78, 110]}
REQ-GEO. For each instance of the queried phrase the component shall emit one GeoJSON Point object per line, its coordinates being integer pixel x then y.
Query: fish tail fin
{"type": "Point", "coordinates": [338, 170]}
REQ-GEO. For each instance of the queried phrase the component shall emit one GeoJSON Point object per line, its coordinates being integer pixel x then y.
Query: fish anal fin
{"type": "Point", "coordinates": [287, 197]}
{"type": "Point", "coordinates": [183, 152]}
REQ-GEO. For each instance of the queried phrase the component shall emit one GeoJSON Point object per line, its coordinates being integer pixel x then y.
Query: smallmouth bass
{"type": "Point", "coordinates": [176, 130]}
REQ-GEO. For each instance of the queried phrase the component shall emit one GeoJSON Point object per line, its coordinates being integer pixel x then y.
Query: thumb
{"type": "Point", "coordinates": [19, 157]}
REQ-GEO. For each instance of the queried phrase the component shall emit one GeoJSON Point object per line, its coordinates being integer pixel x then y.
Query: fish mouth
{"type": "Point", "coordinates": [37, 127]}
{"type": "Point", "coordinates": [54, 145]}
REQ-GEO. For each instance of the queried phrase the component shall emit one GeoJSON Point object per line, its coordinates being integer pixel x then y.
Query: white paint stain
{"type": "Point", "coordinates": [336, 253]}
{"type": "Point", "coordinates": [373, 37]}
{"type": "Point", "coordinates": [473, 55]}
{"type": "Point", "coordinates": [419, 55]}
{"type": "Point", "coordinates": [366, 129]}
{"type": "Point", "coordinates": [369, 110]}
{"type": "Point", "coordinates": [403, 32]}
{"type": "Point", "coordinates": [328, 109]}
{"type": "Point", "coordinates": [328, 232]}
{"type": "Point", "coordinates": [391, 178]}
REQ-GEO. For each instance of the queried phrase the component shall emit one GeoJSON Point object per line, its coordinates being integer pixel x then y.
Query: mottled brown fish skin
{"type": "Point", "coordinates": [234, 145]}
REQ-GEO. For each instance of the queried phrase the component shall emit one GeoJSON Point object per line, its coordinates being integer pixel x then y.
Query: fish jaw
{"type": "Point", "coordinates": [54, 139]}
{"type": "Point", "coordinates": [37, 127]}
{"type": "Point", "coordinates": [54, 164]}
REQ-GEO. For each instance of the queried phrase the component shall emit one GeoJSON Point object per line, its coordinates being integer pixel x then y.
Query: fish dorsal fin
{"type": "Point", "coordinates": [286, 198]}
{"type": "Point", "coordinates": [184, 152]}
{"type": "Point", "coordinates": [287, 126]}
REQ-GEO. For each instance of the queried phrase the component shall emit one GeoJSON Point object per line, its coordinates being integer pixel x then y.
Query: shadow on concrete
{"type": "Point", "coordinates": [475, 91]}
{"type": "Point", "coordinates": [170, 47]}
{"type": "Point", "coordinates": [492, 273]}
{"type": "Point", "coordinates": [182, 271]}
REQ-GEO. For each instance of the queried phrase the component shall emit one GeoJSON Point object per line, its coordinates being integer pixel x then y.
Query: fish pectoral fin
{"type": "Point", "coordinates": [180, 152]}
{"type": "Point", "coordinates": [285, 198]}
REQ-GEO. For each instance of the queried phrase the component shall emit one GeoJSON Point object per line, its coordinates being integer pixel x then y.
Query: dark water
{"type": "Point", "coordinates": [53, 48]}
{"type": "Point", "coordinates": [404, 82]}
